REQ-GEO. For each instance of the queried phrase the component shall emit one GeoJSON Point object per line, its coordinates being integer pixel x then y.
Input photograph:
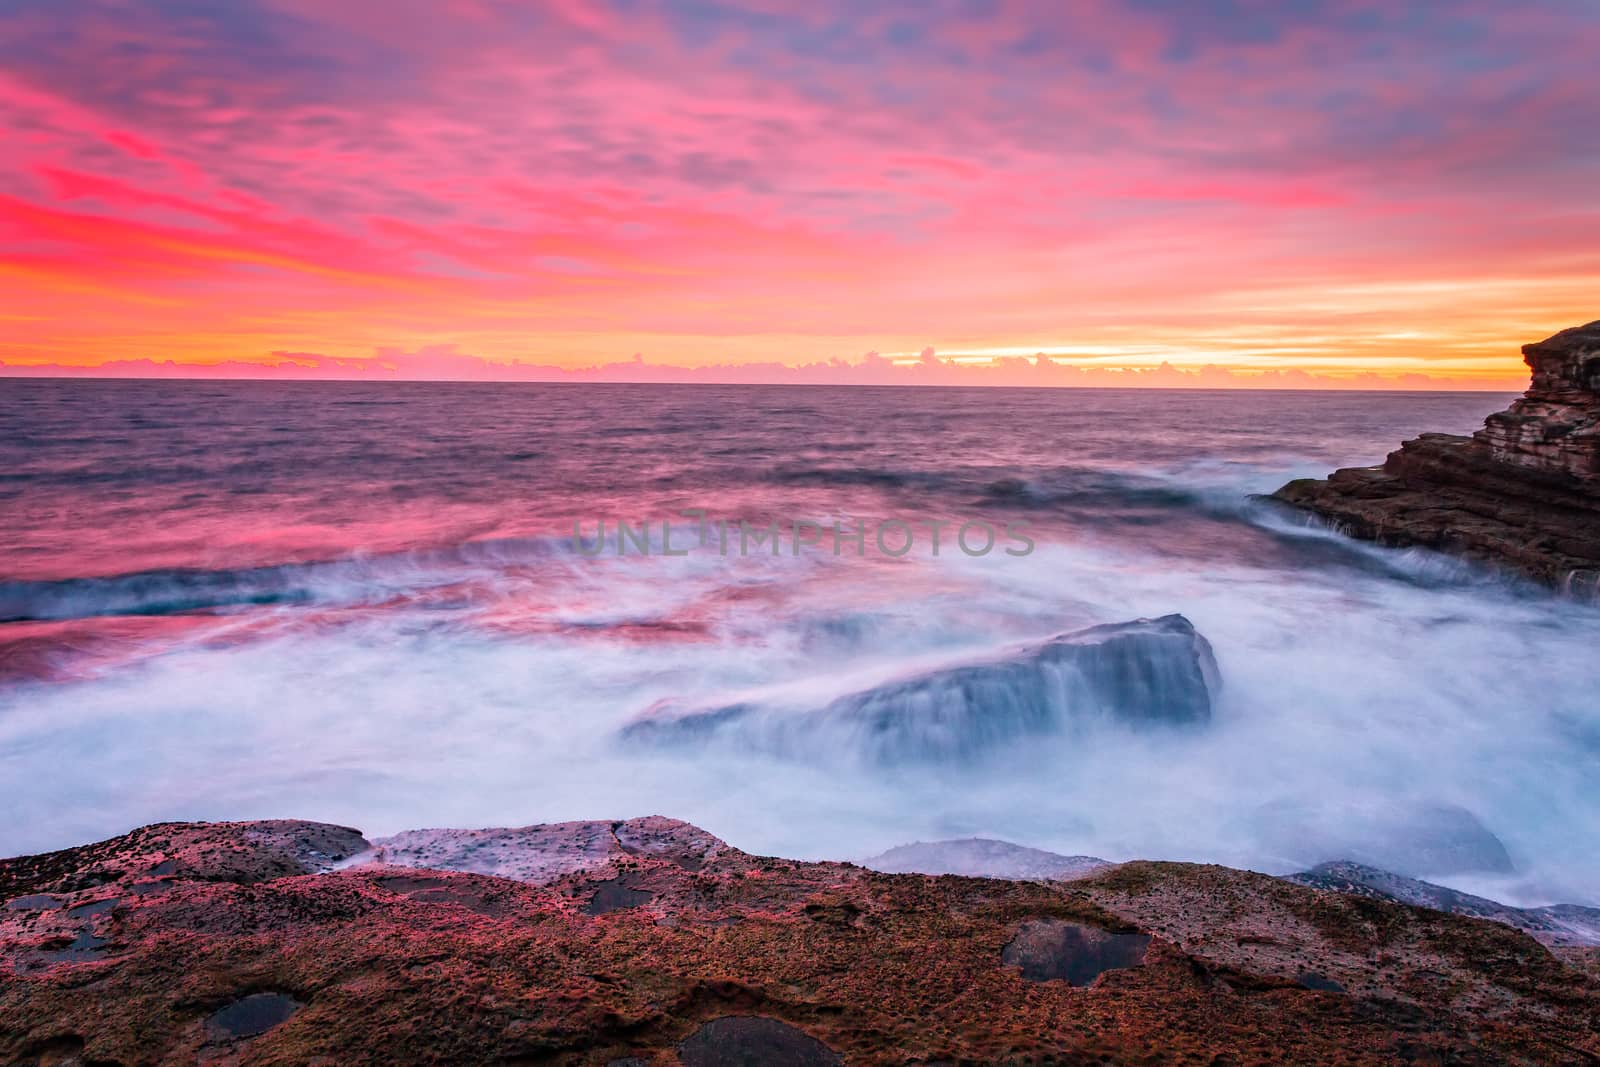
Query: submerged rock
{"type": "Point", "coordinates": [1417, 841]}
{"type": "Point", "coordinates": [749, 1041]}
{"type": "Point", "coordinates": [1046, 950]}
{"type": "Point", "coordinates": [251, 1016]}
{"type": "Point", "coordinates": [1149, 672]}
{"type": "Point", "coordinates": [1521, 493]}
{"type": "Point", "coordinates": [982, 857]}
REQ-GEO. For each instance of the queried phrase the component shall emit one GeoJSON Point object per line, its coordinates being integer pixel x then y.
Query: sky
{"type": "Point", "coordinates": [1279, 193]}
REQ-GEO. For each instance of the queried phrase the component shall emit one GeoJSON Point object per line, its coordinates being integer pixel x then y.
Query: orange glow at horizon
{"type": "Point", "coordinates": [962, 193]}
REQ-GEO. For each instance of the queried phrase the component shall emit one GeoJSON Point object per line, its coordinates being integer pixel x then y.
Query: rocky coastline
{"type": "Point", "coordinates": [650, 941]}
{"type": "Point", "coordinates": [1522, 494]}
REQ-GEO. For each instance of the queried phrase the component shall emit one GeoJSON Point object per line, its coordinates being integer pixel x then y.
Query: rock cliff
{"type": "Point", "coordinates": [1522, 493]}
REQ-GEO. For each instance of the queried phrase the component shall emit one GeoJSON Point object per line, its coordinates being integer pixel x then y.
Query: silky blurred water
{"type": "Point", "coordinates": [360, 603]}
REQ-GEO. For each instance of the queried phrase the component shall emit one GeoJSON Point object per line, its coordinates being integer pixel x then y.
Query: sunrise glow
{"type": "Point", "coordinates": [1017, 193]}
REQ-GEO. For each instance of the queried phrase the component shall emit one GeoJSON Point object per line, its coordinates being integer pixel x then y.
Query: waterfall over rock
{"type": "Point", "coordinates": [1145, 673]}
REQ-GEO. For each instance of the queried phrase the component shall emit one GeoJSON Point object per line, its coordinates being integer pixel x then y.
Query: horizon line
{"type": "Point", "coordinates": [1382, 387]}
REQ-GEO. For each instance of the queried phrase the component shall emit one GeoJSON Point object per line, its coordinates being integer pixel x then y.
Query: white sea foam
{"type": "Point", "coordinates": [1348, 691]}
{"type": "Point", "coordinates": [451, 662]}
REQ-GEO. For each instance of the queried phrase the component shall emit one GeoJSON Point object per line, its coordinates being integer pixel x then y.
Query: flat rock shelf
{"type": "Point", "coordinates": [649, 941]}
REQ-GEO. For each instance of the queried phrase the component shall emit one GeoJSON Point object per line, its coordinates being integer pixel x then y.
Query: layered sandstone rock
{"type": "Point", "coordinates": [651, 942]}
{"type": "Point", "coordinates": [1522, 493]}
{"type": "Point", "coordinates": [1555, 427]}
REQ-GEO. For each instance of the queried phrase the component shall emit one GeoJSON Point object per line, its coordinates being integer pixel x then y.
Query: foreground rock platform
{"type": "Point", "coordinates": [1523, 493]}
{"type": "Point", "coordinates": [649, 941]}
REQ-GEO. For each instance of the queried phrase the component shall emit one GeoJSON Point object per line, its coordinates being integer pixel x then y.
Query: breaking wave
{"type": "Point", "coordinates": [363, 579]}
{"type": "Point", "coordinates": [1141, 674]}
{"type": "Point", "coordinates": [371, 614]}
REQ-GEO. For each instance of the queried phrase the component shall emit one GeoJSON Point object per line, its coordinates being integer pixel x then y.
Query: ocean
{"type": "Point", "coordinates": [364, 603]}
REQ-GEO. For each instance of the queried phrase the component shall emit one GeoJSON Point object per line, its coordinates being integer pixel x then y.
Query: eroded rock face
{"type": "Point", "coordinates": [1522, 493]}
{"type": "Point", "coordinates": [1555, 427]}
{"type": "Point", "coordinates": [1145, 673]}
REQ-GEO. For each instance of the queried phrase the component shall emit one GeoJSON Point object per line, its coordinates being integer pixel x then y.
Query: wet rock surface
{"type": "Point", "coordinates": [544, 853]}
{"type": "Point", "coordinates": [753, 1041]}
{"type": "Point", "coordinates": [615, 895]}
{"type": "Point", "coordinates": [1320, 982]}
{"type": "Point", "coordinates": [1561, 924]}
{"type": "Point", "coordinates": [1523, 493]}
{"type": "Point", "coordinates": [981, 857]}
{"type": "Point", "coordinates": [1147, 673]}
{"type": "Point", "coordinates": [251, 1016]}
{"type": "Point", "coordinates": [735, 958]}
{"type": "Point", "coordinates": [1048, 950]}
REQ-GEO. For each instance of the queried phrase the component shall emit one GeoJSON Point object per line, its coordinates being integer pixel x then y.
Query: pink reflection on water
{"type": "Point", "coordinates": [79, 649]}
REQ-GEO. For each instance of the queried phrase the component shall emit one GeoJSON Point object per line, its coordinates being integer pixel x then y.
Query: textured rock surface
{"type": "Point", "coordinates": [1555, 427]}
{"type": "Point", "coordinates": [541, 854]}
{"type": "Point", "coordinates": [150, 858]}
{"type": "Point", "coordinates": [1148, 672]}
{"type": "Point", "coordinates": [1523, 492]}
{"type": "Point", "coordinates": [733, 958]}
{"type": "Point", "coordinates": [982, 857]}
{"type": "Point", "coordinates": [1562, 924]}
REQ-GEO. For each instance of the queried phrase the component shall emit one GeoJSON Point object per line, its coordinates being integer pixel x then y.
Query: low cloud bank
{"type": "Point", "coordinates": [446, 363]}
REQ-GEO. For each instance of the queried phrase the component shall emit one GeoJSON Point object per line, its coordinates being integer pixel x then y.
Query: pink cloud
{"type": "Point", "coordinates": [775, 182]}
